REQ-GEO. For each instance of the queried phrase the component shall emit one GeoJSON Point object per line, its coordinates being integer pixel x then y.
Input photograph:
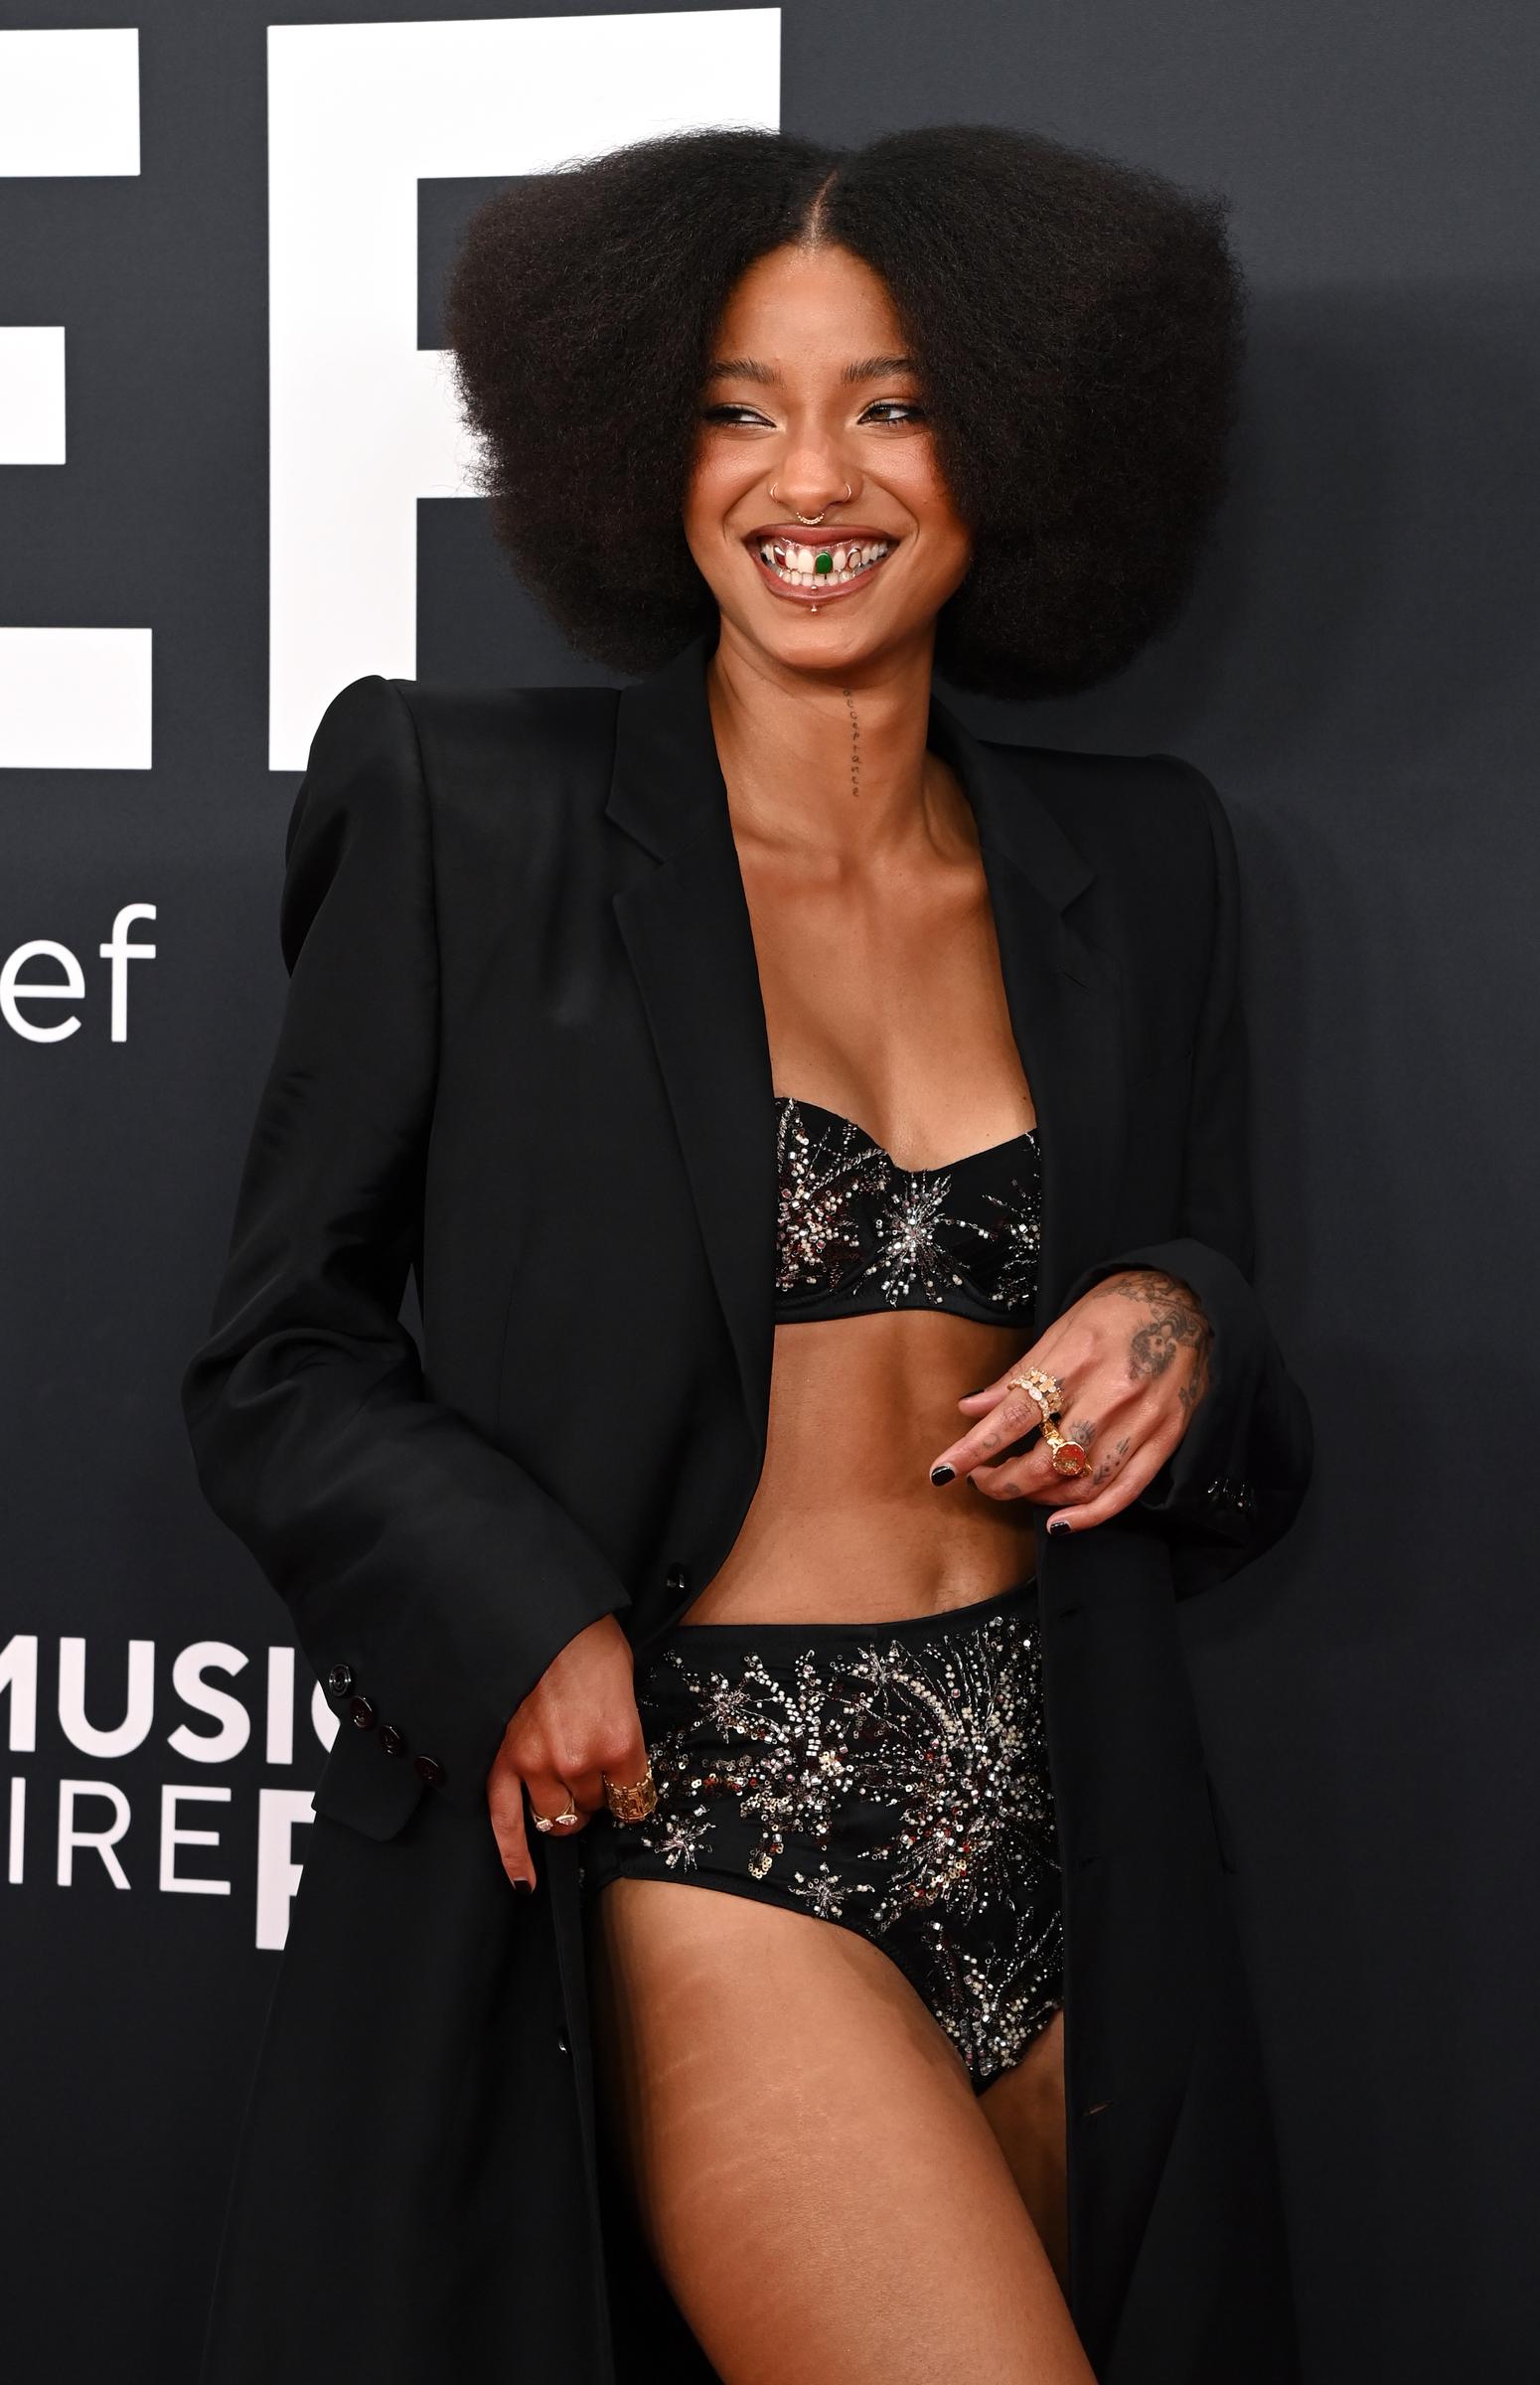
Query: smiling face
{"type": "Point", "coordinates": [809, 392]}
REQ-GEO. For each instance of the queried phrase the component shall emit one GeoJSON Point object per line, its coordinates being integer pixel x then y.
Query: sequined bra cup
{"type": "Point", "coordinates": [856, 1232]}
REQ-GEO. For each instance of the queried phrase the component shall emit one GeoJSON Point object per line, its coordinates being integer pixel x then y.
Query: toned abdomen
{"type": "Point", "coordinates": [845, 1522]}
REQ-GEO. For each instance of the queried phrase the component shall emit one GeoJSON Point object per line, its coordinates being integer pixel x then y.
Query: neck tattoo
{"type": "Point", "coordinates": [855, 742]}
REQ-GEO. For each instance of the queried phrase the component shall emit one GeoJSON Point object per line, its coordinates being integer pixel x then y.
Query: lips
{"type": "Point", "coordinates": [821, 534]}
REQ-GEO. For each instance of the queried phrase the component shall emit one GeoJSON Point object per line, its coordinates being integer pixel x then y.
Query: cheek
{"type": "Point", "coordinates": [930, 500]}
{"type": "Point", "coordinates": [710, 493]}
{"type": "Point", "coordinates": [718, 473]}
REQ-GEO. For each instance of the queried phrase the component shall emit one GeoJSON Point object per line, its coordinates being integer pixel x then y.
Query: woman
{"type": "Point", "coordinates": [819, 1137]}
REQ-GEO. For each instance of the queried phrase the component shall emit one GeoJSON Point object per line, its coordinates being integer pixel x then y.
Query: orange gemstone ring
{"type": "Point", "coordinates": [1068, 1456]}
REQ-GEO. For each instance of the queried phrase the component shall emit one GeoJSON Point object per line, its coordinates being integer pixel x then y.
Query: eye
{"type": "Point", "coordinates": [887, 411]}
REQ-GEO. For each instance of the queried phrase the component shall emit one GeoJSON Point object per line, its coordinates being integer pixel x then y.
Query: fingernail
{"type": "Point", "coordinates": [525, 1887]}
{"type": "Point", "coordinates": [1060, 1524]}
{"type": "Point", "coordinates": [942, 1474]}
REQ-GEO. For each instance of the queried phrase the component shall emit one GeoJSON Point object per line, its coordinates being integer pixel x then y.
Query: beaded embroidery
{"type": "Point", "coordinates": [855, 1231]}
{"type": "Point", "coordinates": [900, 1785]}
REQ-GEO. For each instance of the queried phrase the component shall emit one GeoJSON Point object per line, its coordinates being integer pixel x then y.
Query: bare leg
{"type": "Point", "coordinates": [813, 2174]}
{"type": "Point", "coordinates": [1026, 2109]}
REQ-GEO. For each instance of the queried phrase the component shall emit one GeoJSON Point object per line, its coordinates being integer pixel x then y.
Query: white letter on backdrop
{"type": "Point", "coordinates": [69, 699]}
{"type": "Point", "coordinates": [364, 422]}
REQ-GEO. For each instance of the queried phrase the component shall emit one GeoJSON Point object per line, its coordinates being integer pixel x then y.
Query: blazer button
{"type": "Point", "coordinates": [390, 1740]}
{"type": "Point", "coordinates": [676, 1578]}
{"type": "Point", "coordinates": [340, 1679]}
{"type": "Point", "coordinates": [363, 1713]}
{"type": "Point", "coordinates": [429, 1769]}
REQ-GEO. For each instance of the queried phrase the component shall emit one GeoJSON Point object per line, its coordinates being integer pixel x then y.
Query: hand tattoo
{"type": "Point", "coordinates": [1176, 1320]}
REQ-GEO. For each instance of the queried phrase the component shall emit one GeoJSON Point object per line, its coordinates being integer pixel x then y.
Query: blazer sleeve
{"type": "Point", "coordinates": [1236, 1480]}
{"type": "Point", "coordinates": [430, 1575]}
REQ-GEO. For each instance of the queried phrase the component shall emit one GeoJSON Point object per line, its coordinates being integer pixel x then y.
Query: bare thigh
{"type": "Point", "coordinates": [1026, 2109]}
{"type": "Point", "coordinates": [812, 2170]}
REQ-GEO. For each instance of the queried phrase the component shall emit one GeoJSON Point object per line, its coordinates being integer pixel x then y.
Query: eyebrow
{"type": "Point", "coordinates": [867, 368]}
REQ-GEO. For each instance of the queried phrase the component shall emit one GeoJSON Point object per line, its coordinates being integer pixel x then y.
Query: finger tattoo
{"type": "Point", "coordinates": [1110, 1461]}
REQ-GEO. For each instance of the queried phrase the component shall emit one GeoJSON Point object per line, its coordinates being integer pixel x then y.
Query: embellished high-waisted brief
{"type": "Point", "coordinates": [892, 1777]}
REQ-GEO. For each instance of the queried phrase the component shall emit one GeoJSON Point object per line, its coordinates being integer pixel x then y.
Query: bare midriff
{"type": "Point", "coordinates": [845, 1523]}
{"type": "Point", "coordinates": [884, 1003]}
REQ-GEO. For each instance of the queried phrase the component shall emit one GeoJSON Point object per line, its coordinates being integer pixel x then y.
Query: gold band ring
{"type": "Point", "coordinates": [558, 1821]}
{"type": "Point", "coordinates": [631, 1801]}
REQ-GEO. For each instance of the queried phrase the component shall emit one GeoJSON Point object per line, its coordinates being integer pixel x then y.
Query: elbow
{"type": "Point", "coordinates": [215, 1435]}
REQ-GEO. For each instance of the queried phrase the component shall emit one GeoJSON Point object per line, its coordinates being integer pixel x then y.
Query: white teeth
{"type": "Point", "coordinates": [795, 564]}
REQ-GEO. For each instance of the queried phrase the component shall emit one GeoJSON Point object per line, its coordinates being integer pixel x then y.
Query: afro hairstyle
{"type": "Point", "coordinates": [1077, 323]}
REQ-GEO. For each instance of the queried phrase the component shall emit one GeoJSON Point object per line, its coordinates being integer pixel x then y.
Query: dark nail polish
{"type": "Point", "coordinates": [942, 1474]}
{"type": "Point", "coordinates": [1060, 1526]}
{"type": "Point", "coordinates": [525, 1887]}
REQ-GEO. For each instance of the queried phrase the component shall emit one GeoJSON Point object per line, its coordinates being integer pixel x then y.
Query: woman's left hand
{"type": "Point", "coordinates": [1131, 1357]}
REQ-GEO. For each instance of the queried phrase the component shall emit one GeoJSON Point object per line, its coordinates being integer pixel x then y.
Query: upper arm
{"type": "Point", "coordinates": [326, 1214]}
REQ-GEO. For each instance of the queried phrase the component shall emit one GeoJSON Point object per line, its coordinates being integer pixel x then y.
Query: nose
{"type": "Point", "coordinates": [810, 481]}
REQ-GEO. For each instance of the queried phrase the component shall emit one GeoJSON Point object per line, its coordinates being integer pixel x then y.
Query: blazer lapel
{"type": "Point", "coordinates": [687, 934]}
{"type": "Point", "coordinates": [1064, 993]}
{"type": "Point", "coordinates": [691, 942]}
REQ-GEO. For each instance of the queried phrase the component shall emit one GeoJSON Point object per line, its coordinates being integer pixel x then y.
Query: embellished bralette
{"type": "Point", "coordinates": [856, 1232]}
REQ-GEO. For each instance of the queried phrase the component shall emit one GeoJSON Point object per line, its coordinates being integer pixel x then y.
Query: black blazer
{"type": "Point", "coordinates": [524, 1057]}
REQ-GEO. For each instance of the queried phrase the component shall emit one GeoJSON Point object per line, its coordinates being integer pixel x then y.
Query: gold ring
{"type": "Point", "coordinates": [1044, 1388]}
{"type": "Point", "coordinates": [557, 1822]}
{"type": "Point", "coordinates": [1068, 1456]}
{"type": "Point", "coordinates": [631, 1801]}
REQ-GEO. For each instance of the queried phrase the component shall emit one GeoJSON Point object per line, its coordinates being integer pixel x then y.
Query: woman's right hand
{"type": "Point", "coordinates": [579, 1721]}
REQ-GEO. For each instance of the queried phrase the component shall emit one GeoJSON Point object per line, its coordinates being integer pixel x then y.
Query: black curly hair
{"type": "Point", "coordinates": [1078, 324]}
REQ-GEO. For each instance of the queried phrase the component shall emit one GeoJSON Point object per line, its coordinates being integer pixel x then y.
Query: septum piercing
{"type": "Point", "coordinates": [808, 520]}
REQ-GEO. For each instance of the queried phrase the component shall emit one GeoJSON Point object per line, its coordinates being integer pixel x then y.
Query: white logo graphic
{"type": "Point", "coordinates": [99, 1832]}
{"type": "Point", "coordinates": [363, 420]}
{"type": "Point", "coordinates": [69, 699]}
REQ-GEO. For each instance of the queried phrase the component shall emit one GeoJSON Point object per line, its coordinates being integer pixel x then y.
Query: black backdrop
{"type": "Point", "coordinates": [1356, 674]}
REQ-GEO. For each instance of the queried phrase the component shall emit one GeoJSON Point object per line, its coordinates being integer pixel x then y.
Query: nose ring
{"type": "Point", "coordinates": [810, 519]}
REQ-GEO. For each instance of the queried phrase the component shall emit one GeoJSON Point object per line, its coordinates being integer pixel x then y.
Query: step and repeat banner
{"type": "Point", "coordinates": [231, 479]}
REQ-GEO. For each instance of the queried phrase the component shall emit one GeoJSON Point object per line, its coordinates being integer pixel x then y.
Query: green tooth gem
{"type": "Point", "coordinates": [824, 562]}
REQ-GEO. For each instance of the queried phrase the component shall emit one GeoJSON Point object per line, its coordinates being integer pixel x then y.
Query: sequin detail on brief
{"type": "Point", "coordinates": [898, 1784]}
